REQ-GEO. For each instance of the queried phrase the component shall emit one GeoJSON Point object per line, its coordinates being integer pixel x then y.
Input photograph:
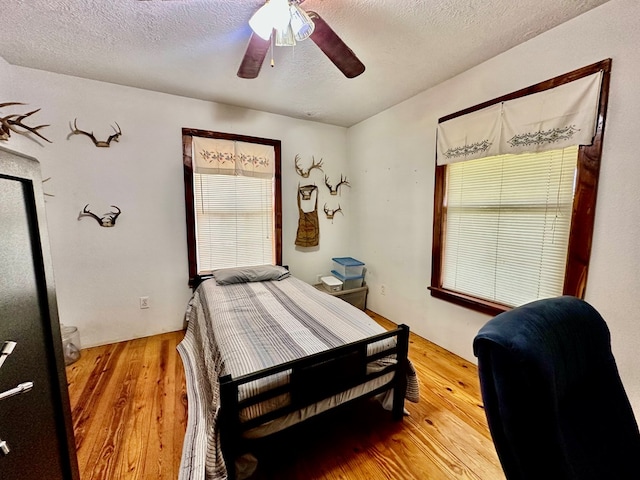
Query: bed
{"type": "Point", "coordinates": [264, 351]}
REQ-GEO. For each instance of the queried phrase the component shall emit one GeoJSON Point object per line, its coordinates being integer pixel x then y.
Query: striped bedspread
{"type": "Point", "coordinates": [242, 328]}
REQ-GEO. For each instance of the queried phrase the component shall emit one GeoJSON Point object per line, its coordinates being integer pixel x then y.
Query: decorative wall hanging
{"type": "Point", "coordinates": [305, 173]}
{"type": "Point", "coordinates": [97, 143]}
{"type": "Point", "coordinates": [330, 213]}
{"type": "Point", "coordinates": [334, 191]}
{"type": "Point", "coordinates": [308, 234]}
{"type": "Point", "coordinates": [12, 122]}
{"type": "Point", "coordinates": [107, 220]}
{"type": "Point", "coordinates": [306, 191]}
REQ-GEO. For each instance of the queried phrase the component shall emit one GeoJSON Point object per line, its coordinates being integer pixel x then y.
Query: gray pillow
{"type": "Point", "coordinates": [258, 273]}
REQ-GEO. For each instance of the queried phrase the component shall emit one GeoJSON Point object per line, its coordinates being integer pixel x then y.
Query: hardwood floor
{"type": "Point", "coordinates": [130, 409]}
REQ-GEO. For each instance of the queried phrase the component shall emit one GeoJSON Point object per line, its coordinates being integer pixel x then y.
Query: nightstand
{"type": "Point", "coordinates": [355, 296]}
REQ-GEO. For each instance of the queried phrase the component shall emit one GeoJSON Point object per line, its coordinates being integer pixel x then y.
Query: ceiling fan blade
{"type": "Point", "coordinates": [334, 48]}
{"type": "Point", "coordinates": [253, 57]}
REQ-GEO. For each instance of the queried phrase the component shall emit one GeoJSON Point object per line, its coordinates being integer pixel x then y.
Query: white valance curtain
{"type": "Point", "coordinates": [549, 120]}
{"type": "Point", "coordinates": [228, 157]}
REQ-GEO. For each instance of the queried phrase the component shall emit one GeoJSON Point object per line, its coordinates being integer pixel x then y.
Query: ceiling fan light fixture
{"type": "Point", "coordinates": [262, 21]}
{"type": "Point", "coordinates": [285, 37]}
{"type": "Point", "coordinates": [273, 14]}
{"type": "Point", "coordinates": [293, 23]}
{"type": "Point", "coordinates": [301, 23]}
{"type": "Point", "coordinates": [289, 20]}
{"type": "Point", "coordinates": [281, 18]}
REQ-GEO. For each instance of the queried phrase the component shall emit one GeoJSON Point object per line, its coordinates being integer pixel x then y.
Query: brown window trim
{"type": "Point", "coordinates": [187, 135]}
{"type": "Point", "coordinates": [584, 202]}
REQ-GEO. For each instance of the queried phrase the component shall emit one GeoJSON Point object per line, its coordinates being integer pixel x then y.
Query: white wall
{"type": "Point", "coordinates": [101, 272]}
{"type": "Point", "coordinates": [392, 163]}
{"type": "Point", "coordinates": [5, 90]}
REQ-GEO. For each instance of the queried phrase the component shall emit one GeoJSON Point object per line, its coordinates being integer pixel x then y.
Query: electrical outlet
{"type": "Point", "coordinates": [319, 278]}
{"type": "Point", "coordinates": [383, 289]}
{"type": "Point", "coordinates": [144, 302]}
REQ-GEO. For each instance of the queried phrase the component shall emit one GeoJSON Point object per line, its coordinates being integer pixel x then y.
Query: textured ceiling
{"type": "Point", "coordinates": [194, 47]}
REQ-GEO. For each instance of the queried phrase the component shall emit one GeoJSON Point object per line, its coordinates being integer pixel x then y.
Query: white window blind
{"type": "Point", "coordinates": [234, 221]}
{"type": "Point", "coordinates": [507, 225]}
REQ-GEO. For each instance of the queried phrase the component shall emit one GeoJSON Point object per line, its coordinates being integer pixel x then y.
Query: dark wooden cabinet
{"type": "Point", "coordinates": [36, 433]}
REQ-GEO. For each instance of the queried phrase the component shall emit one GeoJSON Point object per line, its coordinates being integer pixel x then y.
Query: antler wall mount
{"type": "Point", "coordinates": [305, 173]}
{"type": "Point", "coordinates": [332, 190]}
{"type": "Point", "coordinates": [45, 193]}
{"type": "Point", "coordinates": [106, 220]}
{"type": "Point", "coordinates": [98, 143]}
{"type": "Point", "coordinates": [331, 213]}
{"type": "Point", "coordinates": [12, 123]}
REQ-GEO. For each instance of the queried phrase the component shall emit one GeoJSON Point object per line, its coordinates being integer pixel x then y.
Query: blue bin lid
{"type": "Point", "coordinates": [348, 261]}
{"type": "Point", "coordinates": [339, 276]}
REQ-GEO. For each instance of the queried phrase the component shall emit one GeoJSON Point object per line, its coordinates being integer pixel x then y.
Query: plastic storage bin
{"type": "Point", "coordinates": [331, 283]}
{"type": "Point", "coordinates": [70, 344]}
{"type": "Point", "coordinates": [348, 267]}
{"type": "Point", "coordinates": [349, 282]}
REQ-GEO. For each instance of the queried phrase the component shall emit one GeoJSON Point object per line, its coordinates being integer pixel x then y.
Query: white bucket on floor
{"type": "Point", "coordinates": [70, 344]}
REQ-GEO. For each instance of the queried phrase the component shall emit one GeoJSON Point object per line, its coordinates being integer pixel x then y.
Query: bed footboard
{"type": "Point", "coordinates": [312, 379]}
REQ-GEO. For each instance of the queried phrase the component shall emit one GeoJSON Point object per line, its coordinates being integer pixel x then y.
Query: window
{"type": "Point", "coordinates": [507, 225]}
{"type": "Point", "coordinates": [232, 197]}
{"type": "Point", "coordinates": [509, 229]}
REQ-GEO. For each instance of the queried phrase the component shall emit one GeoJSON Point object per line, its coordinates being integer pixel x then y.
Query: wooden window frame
{"type": "Point", "coordinates": [584, 202]}
{"type": "Point", "coordinates": [187, 142]}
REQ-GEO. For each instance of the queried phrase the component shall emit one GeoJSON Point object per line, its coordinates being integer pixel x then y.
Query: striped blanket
{"type": "Point", "coordinates": [242, 328]}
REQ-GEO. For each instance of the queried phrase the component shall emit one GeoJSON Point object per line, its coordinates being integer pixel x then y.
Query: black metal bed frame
{"type": "Point", "coordinates": [312, 379]}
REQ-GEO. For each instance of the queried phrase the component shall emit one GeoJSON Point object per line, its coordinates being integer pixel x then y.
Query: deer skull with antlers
{"type": "Point", "coordinates": [107, 220]}
{"type": "Point", "coordinates": [98, 143]}
{"type": "Point", "coordinates": [334, 191]}
{"type": "Point", "coordinates": [305, 173]}
{"type": "Point", "coordinates": [12, 122]}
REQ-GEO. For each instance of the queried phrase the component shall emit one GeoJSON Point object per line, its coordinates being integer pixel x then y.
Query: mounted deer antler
{"type": "Point", "coordinates": [330, 213]}
{"type": "Point", "coordinates": [98, 143]}
{"type": "Point", "coordinates": [12, 122]}
{"type": "Point", "coordinates": [334, 191]}
{"type": "Point", "coordinates": [107, 220]}
{"type": "Point", "coordinates": [305, 173]}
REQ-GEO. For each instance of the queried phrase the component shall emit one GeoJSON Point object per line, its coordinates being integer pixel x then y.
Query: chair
{"type": "Point", "coordinates": [554, 401]}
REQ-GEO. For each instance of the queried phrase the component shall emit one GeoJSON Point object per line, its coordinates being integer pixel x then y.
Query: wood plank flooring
{"type": "Point", "coordinates": [129, 409]}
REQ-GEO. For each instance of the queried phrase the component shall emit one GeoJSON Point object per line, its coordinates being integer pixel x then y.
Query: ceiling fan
{"type": "Point", "coordinates": [283, 22]}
